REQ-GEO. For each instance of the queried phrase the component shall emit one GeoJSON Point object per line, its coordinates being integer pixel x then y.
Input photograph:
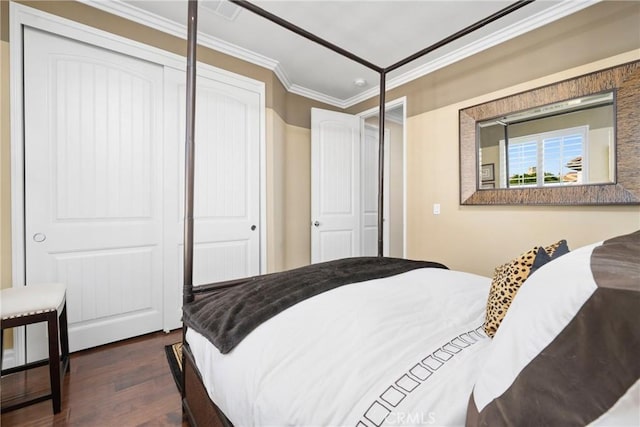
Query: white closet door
{"type": "Point", "coordinates": [335, 185]}
{"type": "Point", "coordinates": [227, 180]}
{"type": "Point", "coordinates": [93, 185]}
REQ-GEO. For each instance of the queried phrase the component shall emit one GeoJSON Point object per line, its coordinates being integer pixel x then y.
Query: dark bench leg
{"type": "Point", "coordinates": [1, 347]}
{"type": "Point", "coordinates": [64, 340]}
{"type": "Point", "coordinates": [54, 362]}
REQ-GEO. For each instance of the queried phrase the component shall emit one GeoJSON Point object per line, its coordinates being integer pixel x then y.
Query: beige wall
{"type": "Point", "coordinates": [276, 140]}
{"type": "Point", "coordinates": [297, 206]}
{"type": "Point", "coordinates": [478, 238]}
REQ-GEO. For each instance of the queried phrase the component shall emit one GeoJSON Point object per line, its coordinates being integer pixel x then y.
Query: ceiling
{"type": "Point", "coordinates": [382, 32]}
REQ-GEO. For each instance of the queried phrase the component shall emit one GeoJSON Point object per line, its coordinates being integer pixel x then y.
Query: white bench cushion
{"type": "Point", "coordinates": [32, 299]}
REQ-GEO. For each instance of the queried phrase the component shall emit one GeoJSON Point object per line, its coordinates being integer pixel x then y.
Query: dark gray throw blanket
{"type": "Point", "coordinates": [227, 316]}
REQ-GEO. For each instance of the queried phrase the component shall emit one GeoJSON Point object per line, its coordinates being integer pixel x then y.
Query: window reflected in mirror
{"type": "Point", "coordinates": [562, 144]}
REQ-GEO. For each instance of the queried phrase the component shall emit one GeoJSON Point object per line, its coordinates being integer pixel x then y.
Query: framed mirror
{"type": "Point", "coordinates": [576, 142]}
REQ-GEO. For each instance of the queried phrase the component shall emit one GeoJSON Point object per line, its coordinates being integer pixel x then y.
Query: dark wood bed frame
{"type": "Point", "coordinates": [197, 406]}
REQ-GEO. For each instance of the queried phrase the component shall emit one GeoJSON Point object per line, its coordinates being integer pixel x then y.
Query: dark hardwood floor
{"type": "Point", "coordinates": [122, 384]}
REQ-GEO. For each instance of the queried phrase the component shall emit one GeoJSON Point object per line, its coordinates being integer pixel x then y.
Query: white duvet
{"type": "Point", "coordinates": [403, 350]}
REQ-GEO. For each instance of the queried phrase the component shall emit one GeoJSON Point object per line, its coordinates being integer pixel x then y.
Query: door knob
{"type": "Point", "coordinates": [317, 224]}
{"type": "Point", "coordinates": [253, 227]}
{"type": "Point", "coordinates": [39, 237]}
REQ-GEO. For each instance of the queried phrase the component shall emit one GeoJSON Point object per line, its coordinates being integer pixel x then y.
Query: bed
{"type": "Point", "coordinates": [413, 347]}
{"type": "Point", "coordinates": [379, 341]}
{"type": "Point", "coordinates": [356, 355]}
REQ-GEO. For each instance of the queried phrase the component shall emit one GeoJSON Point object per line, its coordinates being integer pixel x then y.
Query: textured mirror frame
{"type": "Point", "coordinates": [624, 80]}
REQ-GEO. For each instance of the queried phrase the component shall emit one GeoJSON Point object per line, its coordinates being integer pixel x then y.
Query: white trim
{"type": "Point", "coordinates": [538, 20]}
{"type": "Point", "coordinates": [263, 181]}
{"type": "Point", "coordinates": [17, 169]}
{"type": "Point", "coordinates": [373, 111]}
{"type": "Point", "coordinates": [386, 209]}
{"type": "Point", "coordinates": [317, 96]}
{"type": "Point", "coordinates": [9, 358]}
{"type": "Point", "coordinates": [238, 52]}
{"type": "Point", "coordinates": [157, 22]}
{"type": "Point", "coordinates": [364, 127]}
{"type": "Point", "coordinates": [135, 14]}
{"type": "Point", "coordinates": [24, 15]}
{"type": "Point", "coordinates": [388, 105]}
{"type": "Point", "coordinates": [531, 23]}
{"type": "Point", "coordinates": [404, 177]}
{"type": "Point", "coordinates": [21, 16]}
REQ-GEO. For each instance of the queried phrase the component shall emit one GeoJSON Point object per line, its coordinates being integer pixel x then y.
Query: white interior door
{"type": "Point", "coordinates": [370, 151]}
{"type": "Point", "coordinates": [335, 185]}
{"type": "Point", "coordinates": [227, 180]}
{"type": "Point", "coordinates": [93, 185]}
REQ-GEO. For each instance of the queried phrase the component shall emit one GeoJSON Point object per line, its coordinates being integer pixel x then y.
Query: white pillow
{"type": "Point", "coordinates": [567, 349]}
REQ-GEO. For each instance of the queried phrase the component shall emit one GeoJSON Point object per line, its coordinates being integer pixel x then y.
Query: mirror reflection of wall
{"type": "Point", "coordinates": [572, 143]}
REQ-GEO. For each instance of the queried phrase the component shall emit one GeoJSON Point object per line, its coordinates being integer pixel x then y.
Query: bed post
{"type": "Point", "coordinates": [187, 284]}
{"type": "Point", "coordinates": [381, 118]}
{"type": "Point", "coordinates": [192, 31]}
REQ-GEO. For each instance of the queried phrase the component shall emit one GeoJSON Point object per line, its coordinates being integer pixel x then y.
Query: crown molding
{"type": "Point", "coordinates": [317, 96]}
{"type": "Point", "coordinates": [222, 46]}
{"type": "Point", "coordinates": [135, 14]}
{"type": "Point", "coordinates": [538, 20]}
{"type": "Point", "coordinates": [282, 75]}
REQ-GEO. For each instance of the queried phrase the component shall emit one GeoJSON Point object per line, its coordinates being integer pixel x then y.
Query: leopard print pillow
{"type": "Point", "coordinates": [560, 246]}
{"type": "Point", "coordinates": [507, 279]}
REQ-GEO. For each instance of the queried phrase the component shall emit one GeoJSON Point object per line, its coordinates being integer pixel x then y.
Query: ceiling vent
{"type": "Point", "coordinates": [224, 8]}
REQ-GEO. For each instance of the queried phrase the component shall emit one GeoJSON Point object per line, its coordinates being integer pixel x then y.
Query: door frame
{"type": "Point", "coordinates": [402, 101]}
{"type": "Point", "coordinates": [21, 15]}
{"type": "Point", "coordinates": [387, 207]}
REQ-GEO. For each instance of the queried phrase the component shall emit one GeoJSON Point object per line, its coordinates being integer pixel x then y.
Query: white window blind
{"type": "Point", "coordinates": [546, 159]}
{"type": "Point", "coordinates": [523, 158]}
